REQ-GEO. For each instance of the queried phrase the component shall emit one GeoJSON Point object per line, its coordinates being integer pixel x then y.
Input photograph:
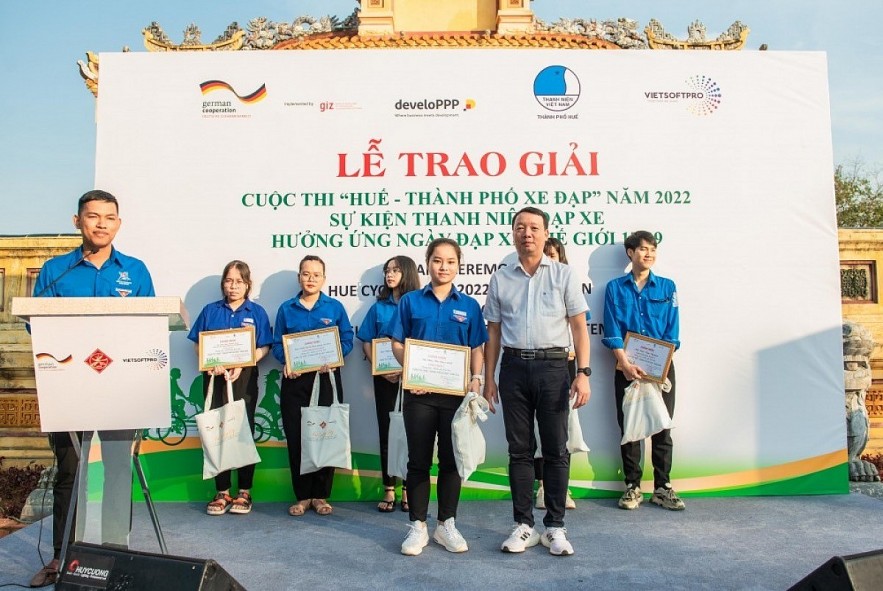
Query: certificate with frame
{"type": "Point", "coordinates": [227, 348]}
{"type": "Point", "coordinates": [651, 355]}
{"type": "Point", "coordinates": [311, 349]}
{"type": "Point", "coordinates": [383, 362]}
{"type": "Point", "coordinates": [435, 367]}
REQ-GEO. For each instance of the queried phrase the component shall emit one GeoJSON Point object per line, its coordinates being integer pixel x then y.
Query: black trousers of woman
{"type": "Point", "coordinates": [245, 388]}
{"type": "Point", "coordinates": [425, 416]}
{"type": "Point", "coordinates": [295, 395]}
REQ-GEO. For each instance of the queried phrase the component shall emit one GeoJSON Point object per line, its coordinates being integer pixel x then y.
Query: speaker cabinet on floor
{"type": "Point", "coordinates": [91, 567]}
{"type": "Point", "coordinates": [856, 572]}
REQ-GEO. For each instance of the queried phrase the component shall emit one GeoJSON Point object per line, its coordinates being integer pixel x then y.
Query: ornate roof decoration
{"type": "Point", "coordinates": [733, 38]}
{"type": "Point", "coordinates": [155, 39]}
{"type": "Point", "coordinates": [328, 32]}
{"type": "Point", "coordinates": [89, 72]}
{"type": "Point", "coordinates": [442, 40]}
{"type": "Point", "coordinates": [622, 32]}
{"type": "Point", "coordinates": [266, 34]}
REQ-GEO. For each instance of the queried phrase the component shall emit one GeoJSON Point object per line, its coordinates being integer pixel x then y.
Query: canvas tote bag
{"type": "Point", "coordinates": [397, 448]}
{"type": "Point", "coordinates": [225, 435]}
{"type": "Point", "coordinates": [469, 444]}
{"type": "Point", "coordinates": [575, 441]}
{"type": "Point", "coordinates": [325, 432]}
{"type": "Point", "coordinates": [643, 411]}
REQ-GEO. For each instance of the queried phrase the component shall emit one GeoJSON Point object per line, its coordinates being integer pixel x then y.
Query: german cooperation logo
{"type": "Point", "coordinates": [702, 97]}
{"type": "Point", "coordinates": [226, 108]}
{"type": "Point", "coordinates": [49, 362]}
{"type": "Point", "coordinates": [557, 88]}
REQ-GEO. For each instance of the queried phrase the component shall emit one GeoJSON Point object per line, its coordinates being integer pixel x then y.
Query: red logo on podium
{"type": "Point", "coordinates": [98, 360]}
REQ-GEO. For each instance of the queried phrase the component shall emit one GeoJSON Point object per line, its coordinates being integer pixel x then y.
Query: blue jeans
{"type": "Point", "coordinates": [536, 388]}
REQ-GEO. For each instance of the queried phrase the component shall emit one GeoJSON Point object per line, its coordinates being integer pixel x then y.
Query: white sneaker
{"type": "Point", "coordinates": [447, 535]}
{"type": "Point", "coordinates": [541, 498]}
{"type": "Point", "coordinates": [416, 540]}
{"type": "Point", "coordinates": [522, 537]}
{"type": "Point", "coordinates": [569, 503]}
{"type": "Point", "coordinates": [555, 539]}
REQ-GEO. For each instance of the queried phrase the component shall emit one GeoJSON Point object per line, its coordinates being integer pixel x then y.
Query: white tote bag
{"type": "Point", "coordinates": [225, 434]}
{"type": "Point", "coordinates": [397, 448]}
{"type": "Point", "coordinates": [325, 432]}
{"type": "Point", "coordinates": [575, 441]}
{"type": "Point", "coordinates": [469, 443]}
{"type": "Point", "coordinates": [643, 411]}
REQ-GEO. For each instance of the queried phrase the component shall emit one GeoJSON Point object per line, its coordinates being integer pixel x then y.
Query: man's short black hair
{"type": "Point", "coordinates": [534, 211]}
{"type": "Point", "coordinates": [635, 238]}
{"type": "Point", "coordinates": [96, 195]}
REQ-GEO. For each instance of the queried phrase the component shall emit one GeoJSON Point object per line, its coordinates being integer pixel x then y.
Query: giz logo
{"type": "Point", "coordinates": [98, 360]}
{"type": "Point", "coordinates": [326, 106]}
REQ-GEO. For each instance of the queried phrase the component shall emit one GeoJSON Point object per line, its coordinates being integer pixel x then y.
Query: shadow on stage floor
{"type": "Point", "coordinates": [721, 543]}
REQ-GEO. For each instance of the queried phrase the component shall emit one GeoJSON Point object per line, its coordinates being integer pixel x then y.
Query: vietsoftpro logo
{"type": "Point", "coordinates": [221, 106]}
{"type": "Point", "coordinates": [700, 94]}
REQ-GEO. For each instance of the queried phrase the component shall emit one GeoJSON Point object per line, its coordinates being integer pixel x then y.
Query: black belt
{"type": "Point", "coordinates": [553, 353]}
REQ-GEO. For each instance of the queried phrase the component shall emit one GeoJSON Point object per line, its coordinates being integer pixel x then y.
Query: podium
{"type": "Point", "coordinates": [102, 364]}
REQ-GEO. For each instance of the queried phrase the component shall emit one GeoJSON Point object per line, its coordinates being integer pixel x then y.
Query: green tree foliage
{"type": "Point", "coordinates": [859, 196]}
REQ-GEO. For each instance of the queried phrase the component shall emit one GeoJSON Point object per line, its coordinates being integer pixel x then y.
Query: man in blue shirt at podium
{"type": "Point", "coordinates": [96, 269]}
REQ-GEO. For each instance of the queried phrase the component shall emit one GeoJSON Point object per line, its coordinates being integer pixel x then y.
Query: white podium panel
{"type": "Point", "coordinates": [101, 372]}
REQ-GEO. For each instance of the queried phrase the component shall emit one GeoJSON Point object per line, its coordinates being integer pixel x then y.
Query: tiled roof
{"type": "Point", "coordinates": [442, 40]}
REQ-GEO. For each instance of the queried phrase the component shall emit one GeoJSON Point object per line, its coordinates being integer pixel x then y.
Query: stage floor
{"type": "Point", "coordinates": [722, 543]}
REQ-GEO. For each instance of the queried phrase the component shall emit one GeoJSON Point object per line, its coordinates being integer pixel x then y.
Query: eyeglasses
{"type": "Point", "coordinates": [236, 282]}
{"type": "Point", "coordinates": [392, 271]}
{"type": "Point", "coordinates": [307, 276]}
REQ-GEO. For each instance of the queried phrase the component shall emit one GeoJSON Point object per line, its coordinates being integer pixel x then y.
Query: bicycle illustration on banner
{"type": "Point", "coordinates": [185, 407]}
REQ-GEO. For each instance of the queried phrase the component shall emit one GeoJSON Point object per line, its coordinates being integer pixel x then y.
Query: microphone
{"type": "Point", "coordinates": [86, 254]}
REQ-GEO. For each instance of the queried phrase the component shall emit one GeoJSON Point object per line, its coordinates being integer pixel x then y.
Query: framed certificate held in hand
{"type": "Point", "coordinates": [651, 355]}
{"type": "Point", "coordinates": [311, 349]}
{"type": "Point", "coordinates": [383, 362]}
{"type": "Point", "coordinates": [226, 348]}
{"type": "Point", "coordinates": [435, 367]}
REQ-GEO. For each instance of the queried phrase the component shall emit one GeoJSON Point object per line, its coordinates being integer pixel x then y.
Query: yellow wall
{"type": "Point", "coordinates": [445, 15]}
{"type": "Point", "coordinates": [867, 245]}
{"type": "Point", "coordinates": [18, 255]}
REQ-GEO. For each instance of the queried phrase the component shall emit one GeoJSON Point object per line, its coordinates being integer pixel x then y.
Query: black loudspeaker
{"type": "Point", "coordinates": [91, 567]}
{"type": "Point", "coordinates": [857, 572]}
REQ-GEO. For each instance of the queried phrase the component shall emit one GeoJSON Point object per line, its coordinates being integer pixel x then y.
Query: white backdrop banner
{"type": "Point", "coordinates": [357, 156]}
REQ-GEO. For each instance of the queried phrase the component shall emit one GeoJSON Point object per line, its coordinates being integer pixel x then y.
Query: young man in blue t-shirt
{"type": "Point", "coordinates": [646, 304]}
{"type": "Point", "coordinates": [95, 269]}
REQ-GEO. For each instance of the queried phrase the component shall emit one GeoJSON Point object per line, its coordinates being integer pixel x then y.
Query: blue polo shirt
{"type": "Point", "coordinates": [220, 316]}
{"type": "Point", "coordinates": [119, 276]}
{"type": "Point", "coordinates": [374, 324]}
{"type": "Point", "coordinates": [455, 321]}
{"type": "Point", "coordinates": [294, 317]}
{"type": "Point", "coordinates": [652, 312]}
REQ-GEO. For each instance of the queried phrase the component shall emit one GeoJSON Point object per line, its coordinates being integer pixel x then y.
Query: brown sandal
{"type": "Point", "coordinates": [322, 507]}
{"type": "Point", "coordinates": [220, 504]}
{"type": "Point", "coordinates": [47, 575]}
{"type": "Point", "coordinates": [299, 508]}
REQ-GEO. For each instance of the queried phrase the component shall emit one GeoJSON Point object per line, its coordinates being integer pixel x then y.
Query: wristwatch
{"type": "Point", "coordinates": [479, 377]}
{"type": "Point", "coordinates": [584, 370]}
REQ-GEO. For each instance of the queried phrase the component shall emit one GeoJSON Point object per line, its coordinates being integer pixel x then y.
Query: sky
{"type": "Point", "coordinates": [47, 116]}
